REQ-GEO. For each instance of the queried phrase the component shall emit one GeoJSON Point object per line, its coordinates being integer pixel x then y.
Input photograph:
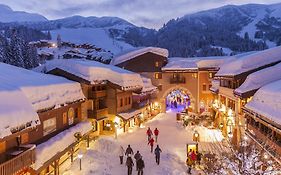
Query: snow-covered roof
{"type": "Point", "coordinates": [250, 62]}
{"type": "Point", "coordinates": [15, 110]}
{"type": "Point", "coordinates": [96, 72]}
{"type": "Point", "coordinates": [137, 52]}
{"type": "Point", "coordinates": [267, 101]}
{"type": "Point", "coordinates": [129, 114]}
{"type": "Point", "coordinates": [147, 85]}
{"type": "Point", "coordinates": [42, 91]}
{"type": "Point", "coordinates": [260, 78]}
{"type": "Point", "coordinates": [45, 151]}
{"type": "Point", "coordinates": [178, 63]}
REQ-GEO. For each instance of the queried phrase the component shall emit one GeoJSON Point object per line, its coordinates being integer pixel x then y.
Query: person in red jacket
{"type": "Point", "coordinates": [151, 143]}
{"type": "Point", "coordinates": [148, 133]}
{"type": "Point", "coordinates": [156, 132]}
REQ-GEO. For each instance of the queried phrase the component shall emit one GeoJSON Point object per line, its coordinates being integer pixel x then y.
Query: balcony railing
{"type": "Point", "coordinates": [96, 94]}
{"type": "Point", "coordinates": [177, 80]}
{"type": "Point", "coordinates": [97, 114]}
{"type": "Point", "coordinates": [19, 160]}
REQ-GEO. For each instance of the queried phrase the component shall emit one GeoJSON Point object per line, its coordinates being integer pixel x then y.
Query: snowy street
{"type": "Point", "coordinates": [102, 158]}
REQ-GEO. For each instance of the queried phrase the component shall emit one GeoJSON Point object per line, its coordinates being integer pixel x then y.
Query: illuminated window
{"type": "Point", "coordinates": [157, 75]}
{"type": "Point", "coordinates": [211, 75]}
{"type": "Point", "coordinates": [157, 64]}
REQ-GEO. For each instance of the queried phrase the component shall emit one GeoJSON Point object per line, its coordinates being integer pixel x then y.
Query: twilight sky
{"type": "Point", "coordinates": [148, 13]}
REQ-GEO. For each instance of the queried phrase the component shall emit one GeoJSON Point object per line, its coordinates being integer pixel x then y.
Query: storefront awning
{"type": "Point", "coordinates": [129, 114]}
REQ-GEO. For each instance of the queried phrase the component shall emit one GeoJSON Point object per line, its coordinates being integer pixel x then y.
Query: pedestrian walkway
{"type": "Point", "coordinates": [103, 158]}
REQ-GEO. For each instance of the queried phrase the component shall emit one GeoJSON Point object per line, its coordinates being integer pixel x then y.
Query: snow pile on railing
{"type": "Point", "coordinates": [260, 78]}
{"type": "Point", "coordinates": [59, 143]}
{"type": "Point", "coordinates": [147, 85]}
{"type": "Point", "coordinates": [97, 72]}
{"type": "Point", "coordinates": [135, 53]}
{"type": "Point", "coordinates": [250, 62]}
{"type": "Point", "coordinates": [15, 110]}
{"type": "Point", "coordinates": [267, 101]}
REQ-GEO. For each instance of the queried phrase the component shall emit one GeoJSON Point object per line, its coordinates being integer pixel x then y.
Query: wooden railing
{"type": "Point", "coordinates": [177, 80]}
{"type": "Point", "coordinates": [18, 163]}
{"type": "Point", "coordinates": [97, 114]}
{"type": "Point", "coordinates": [96, 94]}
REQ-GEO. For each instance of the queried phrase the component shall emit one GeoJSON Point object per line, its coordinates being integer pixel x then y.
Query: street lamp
{"type": "Point", "coordinates": [80, 155]}
{"type": "Point", "coordinates": [196, 136]}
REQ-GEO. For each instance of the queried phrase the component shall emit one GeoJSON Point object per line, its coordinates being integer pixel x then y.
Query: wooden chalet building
{"type": "Point", "coordinates": [193, 76]}
{"type": "Point", "coordinates": [233, 91]}
{"type": "Point", "coordinates": [109, 91]}
{"type": "Point", "coordinates": [262, 116]}
{"type": "Point", "coordinates": [40, 107]}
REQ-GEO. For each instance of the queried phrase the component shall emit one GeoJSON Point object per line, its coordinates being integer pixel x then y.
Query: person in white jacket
{"type": "Point", "coordinates": [121, 153]}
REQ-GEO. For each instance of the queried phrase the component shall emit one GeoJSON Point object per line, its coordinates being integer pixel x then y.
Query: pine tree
{"type": "Point", "coordinates": [15, 54]}
{"type": "Point", "coordinates": [59, 41]}
{"type": "Point", "coordinates": [49, 37]}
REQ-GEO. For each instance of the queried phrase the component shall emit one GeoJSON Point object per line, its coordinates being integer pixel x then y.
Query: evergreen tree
{"type": "Point", "coordinates": [15, 54]}
{"type": "Point", "coordinates": [246, 36]}
{"type": "Point", "coordinates": [59, 41]}
{"type": "Point", "coordinates": [49, 37]}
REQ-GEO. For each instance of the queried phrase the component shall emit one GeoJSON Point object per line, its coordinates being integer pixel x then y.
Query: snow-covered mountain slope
{"type": "Point", "coordinates": [8, 15]}
{"type": "Point", "coordinates": [97, 36]}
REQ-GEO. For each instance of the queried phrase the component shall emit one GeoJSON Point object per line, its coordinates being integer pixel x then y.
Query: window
{"type": "Point", "coordinates": [126, 102]}
{"type": "Point", "coordinates": [157, 64]}
{"type": "Point", "coordinates": [64, 118]}
{"type": "Point", "coordinates": [159, 87]}
{"type": "Point", "coordinates": [95, 126]}
{"type": "Point", "coordinates": [2, 147]}
{"type": "Point", "coordinates": [211, 75]}
{"type": "Point", "coordinates": [49, 126]}
{"type": "Point", "coordinates": [121, 102]}
{"type": "Point", "coordinates": [70, 116]}
{"type": "Point", "coordinates": [158, 75]}
{"type": "Point", "coordinates": [204, 87]}
{"type": "Point", "coordinates": [129, 100]}
{"type": "Point", "coordinates": [210, 85]}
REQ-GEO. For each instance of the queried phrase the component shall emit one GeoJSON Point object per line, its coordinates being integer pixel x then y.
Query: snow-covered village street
{"type": "Point", "coordinates": [102, 158]}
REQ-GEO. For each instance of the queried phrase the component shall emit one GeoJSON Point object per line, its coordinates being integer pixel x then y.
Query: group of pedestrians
{"type": "Point", "coordinates": [193, 158]}
{"type": "Point", "coordinates": [129, 153]}
{"type": "Point", "coordinates": [129, 162]}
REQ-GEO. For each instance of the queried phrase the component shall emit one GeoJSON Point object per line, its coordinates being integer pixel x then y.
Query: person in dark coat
{"type": "Point", "coordinates": [137, 157]}
{"type": "Point", "coordinates": [157, 152]}
{"type": "Point", "coordinates": [151, 143]}
{"type": "Point", "coordinates": [199, 156]}
{"type": "Point", "coordinates": [140, 166]}
{"type": "Point", "coordinates": [156, 133]}
{"type": "Point", "coordinates": [129, 151]}
{"type": "Point", "coordinates": [176, 104]}
{"type": "Point", "coordinates": [130, 165]}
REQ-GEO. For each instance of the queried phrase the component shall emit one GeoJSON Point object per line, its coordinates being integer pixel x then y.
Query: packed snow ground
{"type": "Point", "coordinates": [102, 158]}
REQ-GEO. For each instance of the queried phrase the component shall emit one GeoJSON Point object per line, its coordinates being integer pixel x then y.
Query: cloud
{"type": "Point", "coordinates": [148, 13]}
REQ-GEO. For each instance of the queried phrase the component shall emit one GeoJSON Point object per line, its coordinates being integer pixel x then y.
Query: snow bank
{"type": "Point", "coordinates": [43, 91]}
{"type": "Point", "coordinates": [15, 110]}
{"type": "Point", "coordinates": [135, 53]}
{"type": "Point", "coordinates": [58, 143]}
{"type": "Point", "coordinates": [178, 63]}
{"type": "Point", "coordinates": [260, 78]}
{"type": "Point", "coordinates": [250, 62]}
{"type": "Point", "coordinates": [96, 72]}
{"type": "Point", "coordinates": [267, 101]}
{"type": "Point", "coordinates": [215, 85]}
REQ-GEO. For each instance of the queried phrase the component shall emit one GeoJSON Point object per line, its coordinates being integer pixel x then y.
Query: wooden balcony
{"type": "Point", "coordinates": [177, 80]}
{"type": "Point", "coordinates": [96, 94]}
{"type": "Point", "coordinates": [17, 161]}
{"type": "Point", "coordinates": [98, 114]}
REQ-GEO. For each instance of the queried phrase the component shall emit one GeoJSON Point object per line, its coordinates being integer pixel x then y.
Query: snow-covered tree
{"type": "Point", "coordinates": [15, 55]}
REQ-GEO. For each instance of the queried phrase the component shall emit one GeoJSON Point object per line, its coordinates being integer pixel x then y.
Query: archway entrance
{"type": "Point", "coordinates": [178, 99]}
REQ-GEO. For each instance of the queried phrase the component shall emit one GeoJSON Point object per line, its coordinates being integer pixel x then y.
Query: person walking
{"type": "Point", "coordinates": [130, 164]}
{"type": "Point", "coordinates": [156, 133]}
{"type": "Point", "coordinates": [151, 143]}
{"type": "Point", "coordinates": [129, 151]}
{"type": "Point", "coordinates": [199, 156]}
{"type": "Point", "coordinates": [157, 152]}
{"type": "Point", "coordinates": [148, 133]}
{"type": "Point", "coordinates": [193, 157]}
{"type": "Point", "coordinates": [121, 154]}
{"type": "Point", "coordinates": [140, 166]}
{"type": "Point", "coordinates": [137, 157]}
{"type": "Point", "coordinates": [189, 164]}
